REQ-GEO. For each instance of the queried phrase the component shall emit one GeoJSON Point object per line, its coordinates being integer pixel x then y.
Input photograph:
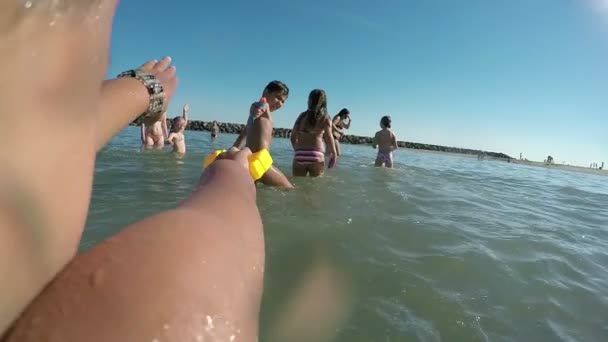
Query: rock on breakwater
{"type": "Point", "coordinates": [231, 128]}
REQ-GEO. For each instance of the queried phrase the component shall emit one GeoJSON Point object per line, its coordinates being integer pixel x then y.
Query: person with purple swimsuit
{"type": "Point", "coordinates": [311, 131]}
{"type": "Point", "coordinates": [386, 142]}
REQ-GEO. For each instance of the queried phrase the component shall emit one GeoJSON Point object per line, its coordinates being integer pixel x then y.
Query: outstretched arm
{"type": "Point", "coordinates": [240, 140]}
{"type": "Point", "coordinates": [185, 113]}
{"type": "Point", "coordinates": [124, 99]}
{"type": "Point", "coordinates": [130, 288]}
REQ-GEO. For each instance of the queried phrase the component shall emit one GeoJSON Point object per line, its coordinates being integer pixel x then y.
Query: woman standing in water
{"type": "Point", "coordinates": [311, 129]}
{"type": "Point", "coordinates": [340, 124]}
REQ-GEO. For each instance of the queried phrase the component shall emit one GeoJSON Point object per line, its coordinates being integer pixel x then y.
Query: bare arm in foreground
{"type": "Point", "coordinates": [64, 103]}
{"type": "Point", "coordinates": [175, 276]}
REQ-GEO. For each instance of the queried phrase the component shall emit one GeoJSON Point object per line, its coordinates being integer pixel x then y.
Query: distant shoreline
{"type": "Point", "coordinates": [562, 167]}
{"type": "Point", "coordinates": [232, 128]}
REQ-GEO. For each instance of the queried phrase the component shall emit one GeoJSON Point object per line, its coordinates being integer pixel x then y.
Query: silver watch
{"type": "Point", "coordinates": [155, 90]}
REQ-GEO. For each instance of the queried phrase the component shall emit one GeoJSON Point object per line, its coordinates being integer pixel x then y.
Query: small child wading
{"type": "Point", "coordinates": [177, 139]}
{"type": "Point", "coordinates": [386, 143]}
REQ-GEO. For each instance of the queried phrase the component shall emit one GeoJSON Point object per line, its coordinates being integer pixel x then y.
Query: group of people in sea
{"type": "Point", "coordinates": [191, 272]}
{"type": "Point", "coordinates": [314, 136]}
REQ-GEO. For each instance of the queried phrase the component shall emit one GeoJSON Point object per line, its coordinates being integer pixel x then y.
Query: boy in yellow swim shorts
{"type": "Point", "coordinates": [257, 135]}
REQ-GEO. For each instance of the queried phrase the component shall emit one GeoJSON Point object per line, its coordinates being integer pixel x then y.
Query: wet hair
{"type": "Point", "coordinates": [386, 121]}
{"type": "Point", "coordinates": [277, 87]}
{"type": "Point", "coordinates": [317, 106]}
{"type": "Point", "coordinates": [343, 113]}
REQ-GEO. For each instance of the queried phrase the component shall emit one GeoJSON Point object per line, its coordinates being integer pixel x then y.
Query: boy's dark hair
{"type": "Point", "coordinates": [277, 87]}
{"type": "Point", "coordinates": [386, 121]}
{"type": "Point", "coordinates": [343, 113]}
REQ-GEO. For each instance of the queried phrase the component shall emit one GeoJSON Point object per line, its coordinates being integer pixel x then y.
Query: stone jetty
{"type": "Point", "coordinates": [231, 128]}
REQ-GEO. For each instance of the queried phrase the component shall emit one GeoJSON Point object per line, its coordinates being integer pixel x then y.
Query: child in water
{"type": "Point", "coordinates": [177, 139]}
{"type": "Point", "coordinates": [311, 132]}
{"type": "Point", "coordinates": [386, 143]}
{"type": "Point", "coordinates": [257, 134]}
{"type": "Point", "coordinates": [154, 131]}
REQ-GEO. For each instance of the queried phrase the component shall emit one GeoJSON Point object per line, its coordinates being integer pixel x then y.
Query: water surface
{"type": "Point", "coordinates": [443, 248]}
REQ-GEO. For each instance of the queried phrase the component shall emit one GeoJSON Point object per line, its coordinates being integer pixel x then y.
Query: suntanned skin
{"type": "Point", "coordinates": [339, 124]}
{"type": "Point", "coordinates": [177, 138]}
{"type": "Point", "coordinates": [149, 275]}
{"type": "Point", "coordinates": [386, 142]}
{"type": "Point", "coordinates": [171, 277]}
{"type": "Point", "coordinates": [154, 132]}
{"type": "Point", "coordinates": [305, 137]}
{"type": "Point", "coordinates": [258, 136]}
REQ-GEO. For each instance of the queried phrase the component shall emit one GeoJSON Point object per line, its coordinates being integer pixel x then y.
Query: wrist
{"type": "Point", "coordinates": [157, 100]}
{"type": "Point", "coordinates": [134, 93]}
{"type": "Point", "coordinates": [227, 175]}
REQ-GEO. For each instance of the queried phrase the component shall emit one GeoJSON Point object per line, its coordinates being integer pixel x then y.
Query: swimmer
{"type": "Point", "coordinates": [177, 138]}
{"type": "Point", "coordinates": [215, 130]}
{"type": "Point", "coordinates": [257, 134]}
{"type": "Point", "coordinates": [341, 122]}
{"type": "Point", "coordinates": [386, 142]}
{"type": "Point", "coordinates": [154, 131]}
{"type": "Point", "coordinates": [311, 129]}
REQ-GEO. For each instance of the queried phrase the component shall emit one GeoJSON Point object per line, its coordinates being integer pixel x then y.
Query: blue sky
{"type": "Point", "coordinates": [511, 76]}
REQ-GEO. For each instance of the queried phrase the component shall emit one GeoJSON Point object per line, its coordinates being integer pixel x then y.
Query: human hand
{"type": "Point", "coordinates": [259, 108]}
{"type": "Point", "coordinates": [186, 107]}
{"type": "Point", "coordinates": [333, 160]}
{"type": "Point", "coordinates": [239, 156]}
{"type": "Point", "coordinates": [165, 74]}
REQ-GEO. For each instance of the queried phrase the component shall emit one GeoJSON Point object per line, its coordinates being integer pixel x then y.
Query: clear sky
{"type": "Point", "coordinates": [510, 76]}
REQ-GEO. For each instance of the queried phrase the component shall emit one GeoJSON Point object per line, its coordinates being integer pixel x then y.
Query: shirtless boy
{"type": "Point", "coordinates": [386, 143]}
{"type": "Point", "coordinates": [257, 135]}
{"type": "Point", "coordinates": [177, 138]}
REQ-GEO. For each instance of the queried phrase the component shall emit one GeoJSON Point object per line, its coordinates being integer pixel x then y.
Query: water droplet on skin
{"type": "Point", "coordinates": [28, 4]}
{"type": "Point", "coordinates": [232, 338]}
{"type": "Point", "coordinates": [166, 326]}
{"type": "Point", "coordinates": [52, 23]}
{"type": "Point", "coordinates": [199, 337]}
{"type": "Point", "coordinates": [96, 17]}
{"type": "Point", "coordinates": [155, 340]}
{"type": "Point", "coordinates": [210, 322]}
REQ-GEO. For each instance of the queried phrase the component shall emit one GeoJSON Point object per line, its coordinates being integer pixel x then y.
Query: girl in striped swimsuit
{"type": "Point", "coordinates": [311, 131]}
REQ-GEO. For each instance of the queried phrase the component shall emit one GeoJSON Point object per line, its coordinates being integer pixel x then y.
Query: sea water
{"type": "Point", "coordinates": [442, 248]}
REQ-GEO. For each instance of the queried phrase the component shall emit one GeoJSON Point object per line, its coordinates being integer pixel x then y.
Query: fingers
{"type": "Point", "coordinates": [239, 156]}
{"type": "Point", "coordinates": [162, 65]}
{"type": "Point", "coordinates": [147, 67]}
{"type": "Point", "coordinates": [170, 72]}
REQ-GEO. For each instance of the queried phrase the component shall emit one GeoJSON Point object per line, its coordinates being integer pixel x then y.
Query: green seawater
{"type": "Point", "coordinates": [442, 248]}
